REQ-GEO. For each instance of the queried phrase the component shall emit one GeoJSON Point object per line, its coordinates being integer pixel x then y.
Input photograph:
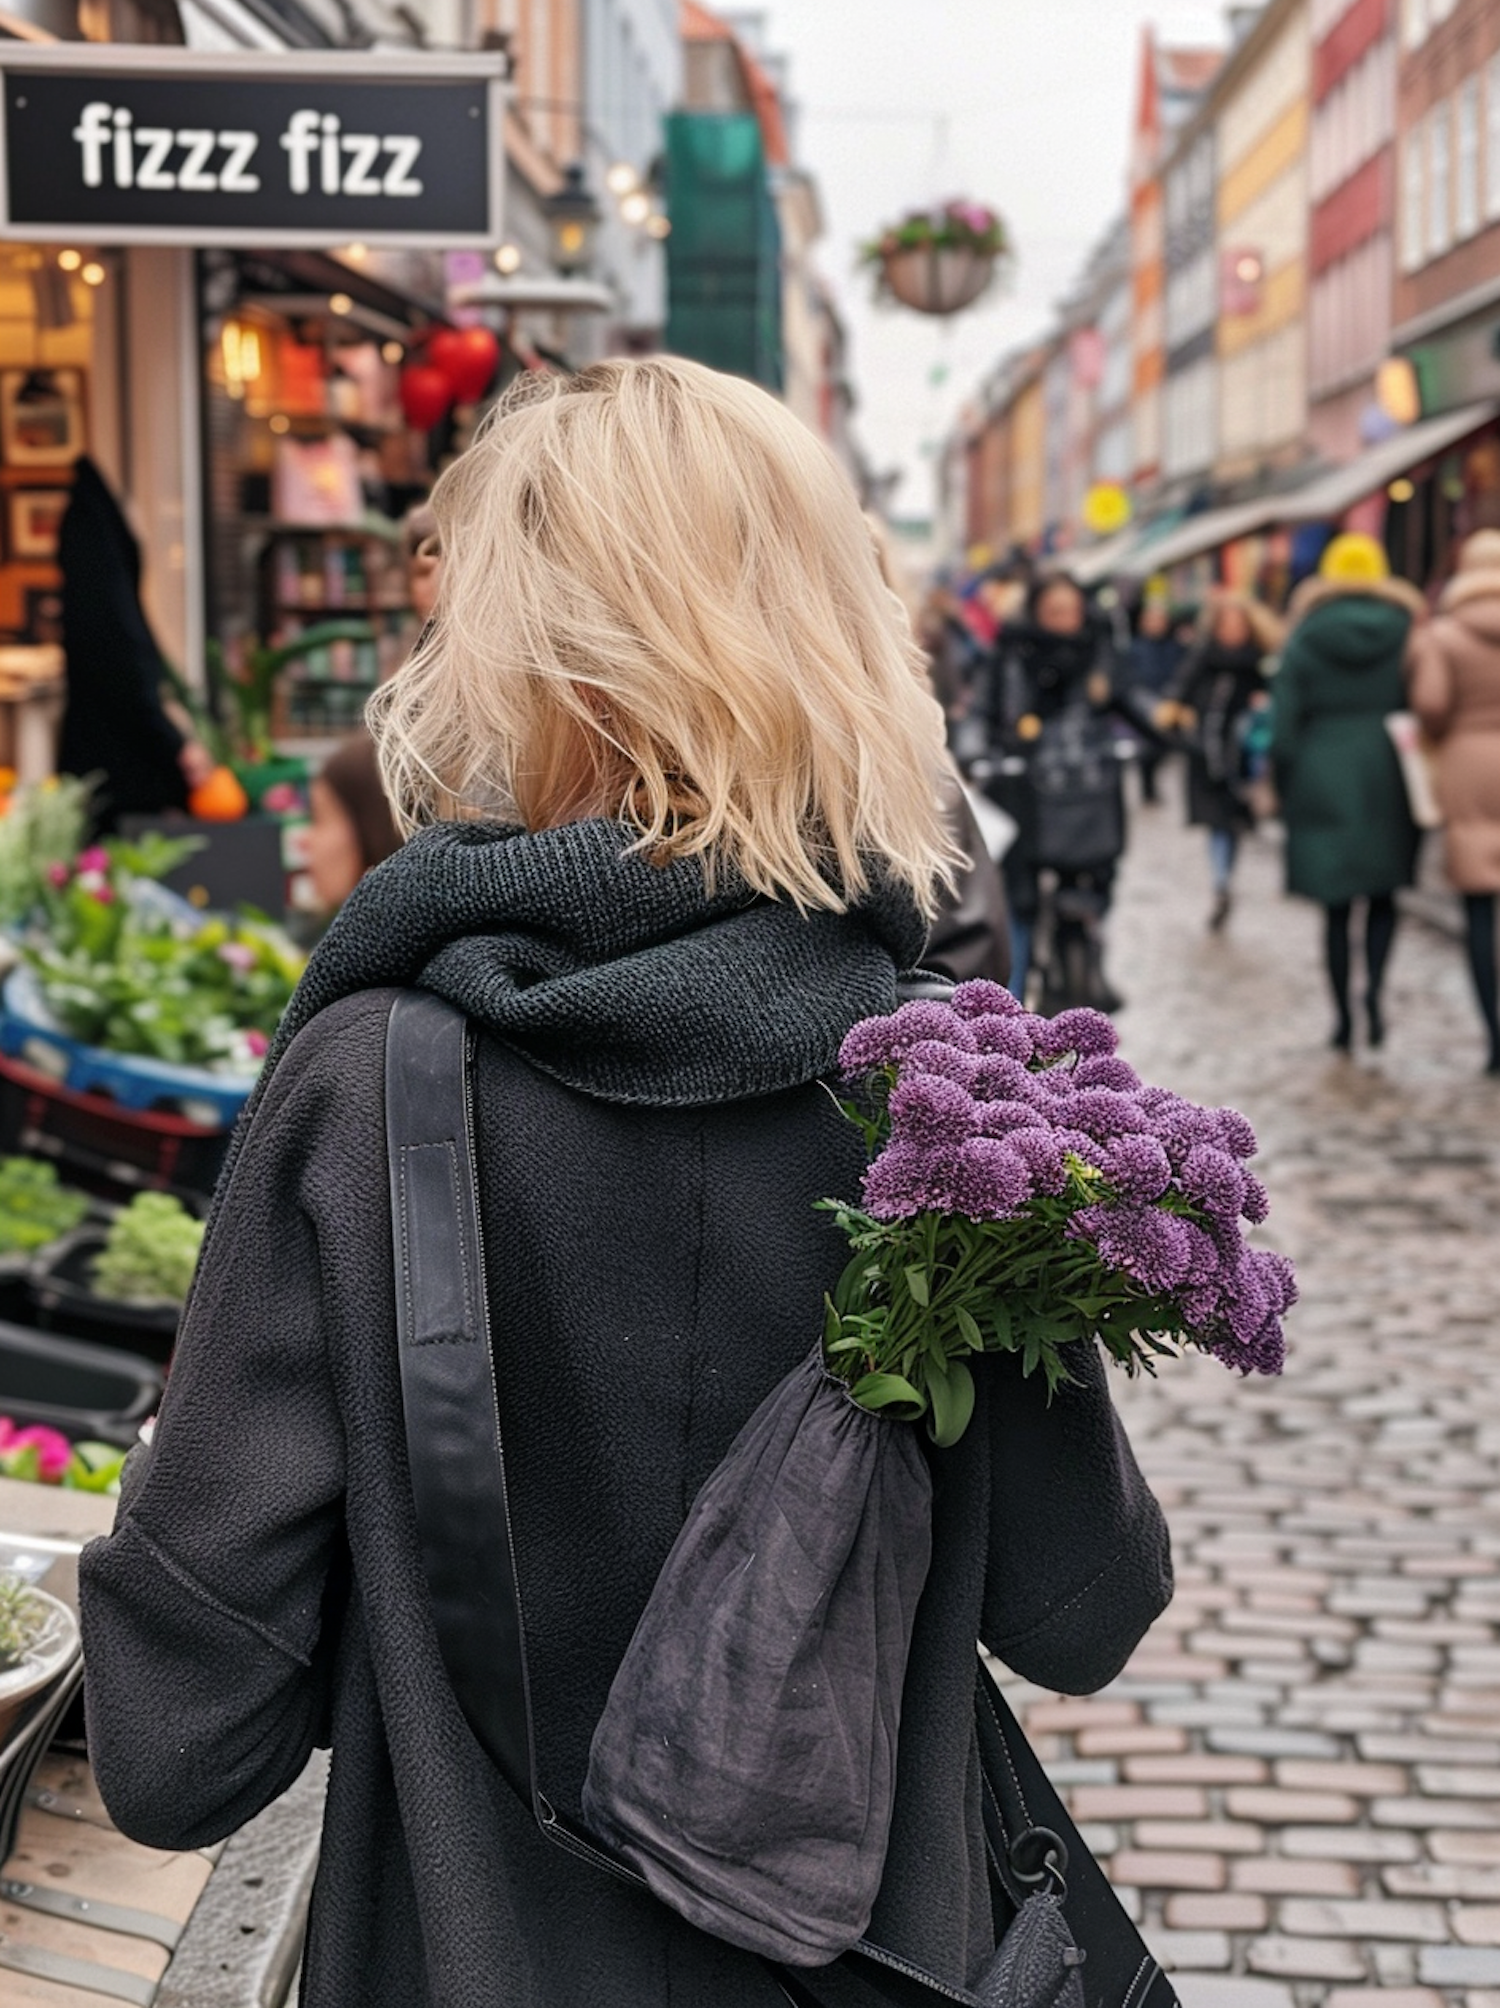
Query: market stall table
{"type": "Point", "coordinates": [87, 1916]}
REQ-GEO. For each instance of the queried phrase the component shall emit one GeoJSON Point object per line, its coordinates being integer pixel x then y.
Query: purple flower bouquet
{"type": "Point", "coordinates": [1026, 1190]}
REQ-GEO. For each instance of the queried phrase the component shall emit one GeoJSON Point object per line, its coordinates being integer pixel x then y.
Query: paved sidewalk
{"type": "Point", "coordinates": [1297, 1780]}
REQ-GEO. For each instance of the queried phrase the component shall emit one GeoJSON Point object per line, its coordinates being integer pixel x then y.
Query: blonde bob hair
{"type": "Point", "coordinates": [660, 603]}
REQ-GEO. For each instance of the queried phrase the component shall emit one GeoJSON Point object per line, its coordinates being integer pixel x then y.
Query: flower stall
{"type": "Point", "coordinates": [132, 1027]}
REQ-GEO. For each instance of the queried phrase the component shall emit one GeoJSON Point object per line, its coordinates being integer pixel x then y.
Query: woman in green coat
{"type": "Point", "coordinates": [1349, 831]}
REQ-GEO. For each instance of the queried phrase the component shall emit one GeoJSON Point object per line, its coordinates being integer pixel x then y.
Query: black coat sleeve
{"type": "Point", "coordinates": [206, 1652]}
{"type": "Point", "coordinates": [1079, 1560]}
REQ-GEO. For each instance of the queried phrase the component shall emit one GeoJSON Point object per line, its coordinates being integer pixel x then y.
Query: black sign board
{"type": "Point", "coordinates": [300, 153]}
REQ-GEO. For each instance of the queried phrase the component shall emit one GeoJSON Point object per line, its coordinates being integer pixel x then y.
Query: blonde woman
{"type": "Point", "coordinates": [663, 659]}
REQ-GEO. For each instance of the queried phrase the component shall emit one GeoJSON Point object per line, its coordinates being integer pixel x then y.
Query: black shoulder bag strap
{"type": "Point", "coordinates": [456, 1450]}
{"type": "Point", "coordinates": [448, 1378]}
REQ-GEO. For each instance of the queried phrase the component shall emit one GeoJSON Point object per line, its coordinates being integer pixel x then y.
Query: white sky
{"type": "Point", "coordinates": [1024, 104]}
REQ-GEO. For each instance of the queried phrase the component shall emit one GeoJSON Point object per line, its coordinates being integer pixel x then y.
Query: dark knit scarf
{"type": "Point", "coordinates": [619, 977]}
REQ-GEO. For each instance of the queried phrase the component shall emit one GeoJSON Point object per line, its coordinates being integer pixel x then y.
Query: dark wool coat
{"type": "Point", "coordinates": [1219, 684]}
{"type": "Point", "coordinates": [114, 723]}
{"type": "Point", "coordinates": [1349, 831]}
{"type": "Point", "coordinates": [653, 1270]}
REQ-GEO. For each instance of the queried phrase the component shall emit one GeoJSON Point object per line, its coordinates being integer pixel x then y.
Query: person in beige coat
{"type": "Point", "coordinates": [1454, 666]}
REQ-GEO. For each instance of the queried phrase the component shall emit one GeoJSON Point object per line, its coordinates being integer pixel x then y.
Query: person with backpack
{"type": "Point", "coordinates": [674, 777]}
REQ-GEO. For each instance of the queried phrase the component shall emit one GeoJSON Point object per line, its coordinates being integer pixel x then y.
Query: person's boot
{"type": "Point", "coordinates": [1223, 902]}
{"type": "Point", "coordinates": [1375, 1020]}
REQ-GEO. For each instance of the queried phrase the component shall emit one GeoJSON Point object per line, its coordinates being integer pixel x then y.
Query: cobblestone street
{"type": "Point", "coordinates": [1298, 1778]}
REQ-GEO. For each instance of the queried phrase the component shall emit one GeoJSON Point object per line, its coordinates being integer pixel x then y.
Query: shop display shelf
{"type": "Point", "coordinates": [29, 1032]}
{"type": "Point", "coordinates": [58, 1283]}
{"type": "Point", "coordinates": [90, 1393]}
{"type": "Point", "coordinates": [109, 1150]}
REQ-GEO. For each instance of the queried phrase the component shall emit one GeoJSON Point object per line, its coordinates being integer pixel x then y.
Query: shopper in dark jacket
{"type": "Point", "coordinates": [1048, 711]}
{"type": "Point", "coordinates": [1222, 681]}
{"type": "Point", "coordinates": [1350, 834]}
{"type": "Point", "coordinates": [1155, 658]}
{"type": "Point", "coordinates": [652, 1135]}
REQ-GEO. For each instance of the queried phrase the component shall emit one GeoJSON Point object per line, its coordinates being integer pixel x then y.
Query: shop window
{"type": "Point", "coordinates": [1466, 164]}
{"type": "Point", "coordinates": [1439, 179]}
{"type": "Point", "coordinates": [46, 359]}
{"type": "Point", "coordinates": [309, 467]}
{"type": "Point", "coordinates": [1413, 198]}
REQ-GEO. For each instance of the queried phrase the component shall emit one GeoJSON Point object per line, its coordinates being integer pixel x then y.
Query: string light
{"type": "Point", "coordinates": [637, 207]}
{"type": "Point", "coordinates": [339, 303]}
{"type": "Point", "coordinates": [508, 259]}
{"type": "Point", "coordinates": [70, 260]}
{"type": "Point", "coordinates": [93, 275]}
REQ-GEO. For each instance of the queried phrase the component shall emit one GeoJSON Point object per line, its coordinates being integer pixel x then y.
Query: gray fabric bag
{"type": "Point", "coordinates": [745, 1761]}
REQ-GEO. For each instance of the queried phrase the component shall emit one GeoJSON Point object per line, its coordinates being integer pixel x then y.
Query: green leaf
{"type": "Point", "coordinates": [1000, 1321]}
{"type": "Point", "coordinates": [878, 1392]}
{"type": "Point", "coordinates": [952, 1398]}
{"type": "Point", "coordinates": [968, 1324]}
{"type": "Point", "coordinates": [917, 1283]}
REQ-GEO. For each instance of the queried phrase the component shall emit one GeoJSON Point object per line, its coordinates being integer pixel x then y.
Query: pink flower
{"type": "Point", "coordinates": [257, 1042]}
{"type": "Point", "coordinates": [53, 1450]}
{"type": "Point", "coordinates": [104, 894]}
{"type": "Point", "coordinates": [58, 875]}
{"type": "Point", "coordinates": [238, 955]}
{"type": "Point", "coordinates": [94, 859]}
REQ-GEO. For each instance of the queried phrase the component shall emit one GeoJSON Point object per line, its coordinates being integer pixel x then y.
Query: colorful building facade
{"type": "Point", "coordinates": [1262, 215]}
{"type": "Point", "coordinates": [1351, 187]}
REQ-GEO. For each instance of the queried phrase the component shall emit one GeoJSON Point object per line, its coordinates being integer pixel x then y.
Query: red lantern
{"type": "Point", "coordinates": [425, 395]}
{"type": "Point", "coordinates": [474, 371]}
{"type": "Point", "coordinates": [445, 352]}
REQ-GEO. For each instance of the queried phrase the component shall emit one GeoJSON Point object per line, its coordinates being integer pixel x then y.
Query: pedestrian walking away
{"type": "Point", "coordinates": [716, 771]}
{"type": "Point", "coordinates": [1350, 834]}
{"type": "Point", "coordinates": [1455, 691]}
{"type": "Point", "coordinates": [1049, 717]}
{"type": "Point", "coordinates": [1223, 680]}
{"type": "Point", "coordinates": [1155, 659]}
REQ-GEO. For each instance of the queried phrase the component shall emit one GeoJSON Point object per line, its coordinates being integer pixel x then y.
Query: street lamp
{"type": "Point", "coordinates": [573, 216]}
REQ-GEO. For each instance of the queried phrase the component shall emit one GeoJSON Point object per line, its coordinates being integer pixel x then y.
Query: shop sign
{"type": "Point", "coordinates": [102, 146]}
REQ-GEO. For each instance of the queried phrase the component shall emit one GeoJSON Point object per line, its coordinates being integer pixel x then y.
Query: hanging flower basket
{"type": "Point", "coordinates": [939, 261]}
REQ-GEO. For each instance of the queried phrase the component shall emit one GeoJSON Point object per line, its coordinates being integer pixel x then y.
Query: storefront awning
{"type": "Point", "coordinates": [1332, 493]}
{"type": "Point", "coordinates": [1199, 534]}
{"type": "Point", "coordinates": [1102, 561]}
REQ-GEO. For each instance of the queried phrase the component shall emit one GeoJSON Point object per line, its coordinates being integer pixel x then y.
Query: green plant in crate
{"type": "Point", "coordinates": [22, 1616]}
{"type": "Point", "coordinates": [119, 972]}
{"type": "Point", "coordinates": [45, 826]}
{"type": "Point", "coordinates": [35, 1207]}
{"type": "Point", "coordinates": [151, 1252]}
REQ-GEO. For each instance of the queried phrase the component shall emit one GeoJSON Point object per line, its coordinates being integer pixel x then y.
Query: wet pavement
{"type": "Point", "coordinates": [1297, 1780]}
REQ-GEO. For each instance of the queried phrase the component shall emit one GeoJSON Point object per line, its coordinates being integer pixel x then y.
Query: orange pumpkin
{"type": "Point", "coordinates": [219, 799]}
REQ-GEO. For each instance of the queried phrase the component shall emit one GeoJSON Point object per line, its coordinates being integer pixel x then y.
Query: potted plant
{"type": "Point", "coordinates": [38, 1639]}
{"type": "Point", "coordinates": [939, 260]}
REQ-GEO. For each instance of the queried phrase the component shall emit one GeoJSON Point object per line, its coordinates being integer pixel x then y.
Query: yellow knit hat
{"type": "Point", "coordinates": [1354, 559]}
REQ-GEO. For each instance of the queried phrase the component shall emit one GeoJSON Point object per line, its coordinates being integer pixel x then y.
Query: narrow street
{"type": "Point", "coordinates": [1297, 1780]}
